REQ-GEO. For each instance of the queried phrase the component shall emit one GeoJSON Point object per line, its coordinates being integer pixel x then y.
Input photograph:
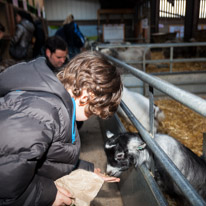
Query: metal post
{"type": "Point", "coordinates": [204, 146]}
{"type": "Point", "coordinates": [151, 110]}
{"type": "Point", "coordinates": [171, 58]}
{"type": "Point", "coordinates": [144, 58]}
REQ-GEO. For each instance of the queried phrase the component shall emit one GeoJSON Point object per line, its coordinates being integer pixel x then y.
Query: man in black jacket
{"type": "Point", "coordinates": [39, 140]}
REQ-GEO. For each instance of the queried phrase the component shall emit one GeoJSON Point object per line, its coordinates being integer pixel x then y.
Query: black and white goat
{"type": "Point", "coordinates": [126, 149]}
{"type": "Point", "coordinates": [139, 105]}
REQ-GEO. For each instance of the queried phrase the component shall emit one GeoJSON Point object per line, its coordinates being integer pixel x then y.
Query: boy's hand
{"type": "Point", "coordinates": [105, 177]}
{"type": "Point", "coordinates": [63, 197]}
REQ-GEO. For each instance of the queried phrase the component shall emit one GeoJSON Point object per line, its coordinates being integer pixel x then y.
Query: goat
{"type": "Point", "coordinates": [128, 54]}
{"type": "Point", "coordinates": [127, 149]}
{"type": "Point", "coordinates": [139, 105]}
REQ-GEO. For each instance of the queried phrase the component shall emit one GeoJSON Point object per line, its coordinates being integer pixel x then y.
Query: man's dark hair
{"type": "Point", "coordinates": [55, 42]}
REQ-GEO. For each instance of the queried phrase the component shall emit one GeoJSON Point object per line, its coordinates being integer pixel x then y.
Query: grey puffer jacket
{"type": "Point", "coordinates": [36, 141]}
{"type": "Point", "coordinates": [24, 33]}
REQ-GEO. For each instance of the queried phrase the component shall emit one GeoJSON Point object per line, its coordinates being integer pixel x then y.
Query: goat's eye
{"type": "Point", "coordinates": [141, 146]}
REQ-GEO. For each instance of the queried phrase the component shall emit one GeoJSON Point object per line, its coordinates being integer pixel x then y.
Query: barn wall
{"type": "Point", "coordinates": [81, 9]}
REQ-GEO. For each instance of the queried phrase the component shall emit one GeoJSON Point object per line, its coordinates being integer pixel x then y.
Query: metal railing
{"type": "Point", "coordinates": [193, 102]}
{"type": "Point", "coordinates": [146, 47]}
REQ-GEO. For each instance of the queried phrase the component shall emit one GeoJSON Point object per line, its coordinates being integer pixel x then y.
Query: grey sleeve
{"type": "Point", "coordinates": [82, 164]}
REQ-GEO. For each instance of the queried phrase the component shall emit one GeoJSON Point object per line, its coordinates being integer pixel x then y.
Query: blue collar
{"type": "Point", "coordinates": [73, 121]}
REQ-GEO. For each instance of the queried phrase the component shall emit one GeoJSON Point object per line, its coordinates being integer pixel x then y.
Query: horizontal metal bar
{"type": "Point", "coordinates": [175, 73]}
{"type": "Point", "coordinates": [186, 188]}
{"type": "Point", "coordinates": [167, 61]}
{"type": "Point", "coordinates": [192, 101]}
{"type": "Point", "coordinates": [154, 45]}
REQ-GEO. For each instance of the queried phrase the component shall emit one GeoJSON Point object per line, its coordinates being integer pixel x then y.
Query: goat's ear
{"type": "Point", "coordinates": [109, 134]}
{"type": "Point", "coordinates": [141, 147]}
{"type": "Point", "coordinates": [108, 145]}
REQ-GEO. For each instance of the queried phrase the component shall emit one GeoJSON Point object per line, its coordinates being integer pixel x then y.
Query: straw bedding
{"type": "Point", "coordinates": [183, 124]}
{"type": "Point", "coordinates": [177, 67]}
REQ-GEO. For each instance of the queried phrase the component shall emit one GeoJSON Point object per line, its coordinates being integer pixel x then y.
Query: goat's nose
{"type": "Point", "coordinates": [120, 156]}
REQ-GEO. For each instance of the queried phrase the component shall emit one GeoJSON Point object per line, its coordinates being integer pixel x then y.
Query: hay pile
{"type": "Point", "coordinates": [183, 124]}
{"type": "Point", "coordinates": [177, 67]}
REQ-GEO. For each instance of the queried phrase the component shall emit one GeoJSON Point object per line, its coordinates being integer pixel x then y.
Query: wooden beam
{"type": "Point", "coordinates": [112, 12]}
{"type": "Point", "coordinates": [116, 11]}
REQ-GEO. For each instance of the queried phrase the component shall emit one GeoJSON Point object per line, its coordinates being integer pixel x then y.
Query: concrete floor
{"type": "Point", "coordinates": [93, 150]}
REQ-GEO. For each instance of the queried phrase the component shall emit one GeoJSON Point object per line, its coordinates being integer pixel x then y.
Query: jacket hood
{"type": "Point", "coordinates": [28, 25]}
{"type": "Point", "coordinates": [33, 76]}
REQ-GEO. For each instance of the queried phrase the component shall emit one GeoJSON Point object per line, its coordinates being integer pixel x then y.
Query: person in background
{"type": "Point", "coordinates": [40, 39]}
{"type": "Point", "coordinates": [56, 53]}
{"type": "Point", "coordinates": [39, 141]}
{"type": "Point", "coordinates": [69, 32]}
{"type": "Point", "coordinates": [2, 31]}
{"type": "Point", "coordinates": [21, 43]}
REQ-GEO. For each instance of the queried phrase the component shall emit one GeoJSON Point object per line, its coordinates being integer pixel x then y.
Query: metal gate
{"type": "Point", "coordinates": [151, 193]}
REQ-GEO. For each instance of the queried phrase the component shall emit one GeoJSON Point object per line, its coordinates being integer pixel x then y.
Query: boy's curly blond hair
{"type": "Point", "coordinates": [92, 72]}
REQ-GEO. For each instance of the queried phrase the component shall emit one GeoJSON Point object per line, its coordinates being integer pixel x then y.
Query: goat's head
{"type": "Point", "coordinates": [122, 151]}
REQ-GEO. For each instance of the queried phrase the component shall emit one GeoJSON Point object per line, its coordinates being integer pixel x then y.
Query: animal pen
{"type": "Point", "coordinates": [137, 185]}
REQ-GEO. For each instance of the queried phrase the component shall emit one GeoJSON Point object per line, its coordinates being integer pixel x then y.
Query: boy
{"type": "Point", "coordinates": [39, 141]}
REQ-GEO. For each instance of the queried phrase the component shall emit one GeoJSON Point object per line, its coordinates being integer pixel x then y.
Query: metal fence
{"type": "Point", "coordinates": [192, 101]}
{"type": "Point", "coordinates": [171, 47]}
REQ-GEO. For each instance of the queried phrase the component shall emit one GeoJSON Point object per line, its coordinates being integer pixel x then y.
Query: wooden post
{"type": "Point", "coordinates": [154, 17]}
{"type": "Point", "coordinates": [191, 19]}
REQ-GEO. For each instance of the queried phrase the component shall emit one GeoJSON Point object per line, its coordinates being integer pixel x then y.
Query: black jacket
{"type": "Point", "coordinates": [36, 121]}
